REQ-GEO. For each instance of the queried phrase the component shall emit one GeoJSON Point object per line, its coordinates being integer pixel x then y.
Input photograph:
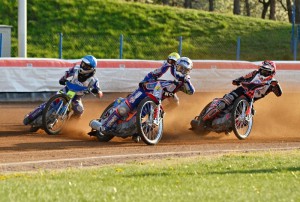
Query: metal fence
{"type": "Point", "coordinates": [243, 47]}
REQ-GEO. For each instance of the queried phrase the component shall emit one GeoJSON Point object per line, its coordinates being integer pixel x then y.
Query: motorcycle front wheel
{"type": "Point", "coordinates": [149, 125]}
{"type": "Point", "coordinates": [242, 123]}
{"type": "Point", "coordinates": [55, 114]}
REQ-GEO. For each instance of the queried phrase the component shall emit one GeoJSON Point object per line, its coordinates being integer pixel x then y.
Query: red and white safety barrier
{"type": "Point", "coordinates": [40, 75]}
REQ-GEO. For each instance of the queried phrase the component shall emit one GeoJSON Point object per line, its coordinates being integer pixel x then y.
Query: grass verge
{"type": "Point", "coordinates": [265, 176]}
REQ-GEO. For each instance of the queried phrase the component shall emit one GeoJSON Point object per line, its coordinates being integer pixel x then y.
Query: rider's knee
{"type": "Point", "coordinates": [221, 105]}
{"type": "Point", "coordinates": [78, 109]}
{"type": "Point", "coordinates": [123, 109]}
{"type": "Point", "coordinates": [228, 99]}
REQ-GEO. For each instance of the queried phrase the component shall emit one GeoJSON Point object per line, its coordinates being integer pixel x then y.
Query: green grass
{"type": "Point", "coordinates": [267, 176]}
{"type": "Point", "coordinates": [150, 31]}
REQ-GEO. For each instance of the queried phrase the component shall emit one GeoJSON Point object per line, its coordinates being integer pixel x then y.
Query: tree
{"type": "Point", "coordinates": [236, 7]}
{"type": "Point", "coordinates": [265, 8]}
{"type": "Point", "coordinates": [165, 2]}
{"type": "Point", "coordinates": [247, 7]}
{"type": "Point", "coordinates": [289, 8]}
{"type": "Point", "coordinates": [297, 9]}
{"type": "Point", "coordinates": [211, 5]}
{"type": "Point", "coordinates": [272, 10]}
{"type": "Point", "coordinates": [187, 4]}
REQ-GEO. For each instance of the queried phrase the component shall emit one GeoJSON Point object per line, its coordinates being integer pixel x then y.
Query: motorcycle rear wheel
{"type": "Point", "coordinates": [241, 124]}
{"type": "Point", "coordinates": [54, 115]}
{"type": "Point", "coordinates": [197, 124]}
{"type": "Point", "coordinates": [150, 132]}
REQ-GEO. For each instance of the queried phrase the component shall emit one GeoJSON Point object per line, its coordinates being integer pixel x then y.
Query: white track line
{"type": "Point", "coordinates": [144, 155]}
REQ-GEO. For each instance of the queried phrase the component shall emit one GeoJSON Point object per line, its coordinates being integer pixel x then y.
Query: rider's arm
{"type": "Point", "coordinates": [247, 77]}
{"type": "Point", "coordinates": [154, 75]}
{"type": "Point", "coordinates": [96, 90]}
{"type": "Point", "coordinates": [68, 73]}
{"type": "Point", "coordinates": [187, 87]}
{"type": "Point", "coordinates": [276, 89]}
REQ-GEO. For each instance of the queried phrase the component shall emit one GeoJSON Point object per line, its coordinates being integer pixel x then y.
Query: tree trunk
{"type": "Point", "coordinates": [272, 10]}
{"type": "Point", "coordinates": [289, 10]}
{"type": "Point", "coordinates": [165, 2]}
{"type": "Point", "coordinates": [297, 16]}
{"type": "Point", "coordinates": [211, 5]}
{"type": "Point", "coordinates": [187, 3]}
{"type": "Point", "coordinates": [265, 8]}
{"type": "Point", "coordinates": [236, 7]}
{"type": "Point", "coordinates": [247, 8]}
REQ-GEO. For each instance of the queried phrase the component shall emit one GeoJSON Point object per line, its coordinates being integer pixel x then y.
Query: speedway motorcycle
{"type": "Point", "coordinates": [146, 121]}
{"type": "Point", "coordinates": [52, 115]}
{"type": "Point", "coordinates": [237, 117]}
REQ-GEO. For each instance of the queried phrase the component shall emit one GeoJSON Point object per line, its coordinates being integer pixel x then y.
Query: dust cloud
{"type": "Point", "coordinates": [276, 117]}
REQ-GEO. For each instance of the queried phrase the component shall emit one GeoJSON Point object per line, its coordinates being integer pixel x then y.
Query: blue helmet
{"type": "Point", "coordinates": [88, 64]}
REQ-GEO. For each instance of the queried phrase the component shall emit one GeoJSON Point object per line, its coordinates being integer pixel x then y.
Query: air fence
{"type": "Point", "coordinates": [32, 79]}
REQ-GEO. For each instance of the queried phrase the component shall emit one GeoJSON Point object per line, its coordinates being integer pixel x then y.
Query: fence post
{"type": "Point", "coordinates": [60, 45]}
{"type": "Point", "coordinates": [294, 39]}
{"type": "Point", "coordinates": [0, 45]}
{"type": "Point", "coordinates": [121, 47]}
{"type": "Point", "coordinates": [238, 48]}
{"type": "Point", "coordinates": [180, 45]}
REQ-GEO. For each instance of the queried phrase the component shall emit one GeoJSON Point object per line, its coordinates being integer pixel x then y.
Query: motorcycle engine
{"type": "Point", "coordinates": [127, 128]}
{"type": "Point", "coordinates": [222, 123]}
{"type": "Point", "coordinates": [37, 121]}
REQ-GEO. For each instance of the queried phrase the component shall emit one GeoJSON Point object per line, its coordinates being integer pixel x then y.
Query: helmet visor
{"type": "Point", "coordinates": [182, 69]}
{"type": "Point", "coordinates": [265, 72]}
{"type": "Point", "coordinates": [85, 66]}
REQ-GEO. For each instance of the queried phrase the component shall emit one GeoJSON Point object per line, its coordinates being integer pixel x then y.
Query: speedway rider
{"type": "Point", "coordinates": [169, 64]}
{"type": "Point", "coordinates": [83, 75]}
{"type": "Point", "coordinates": [264, 74]}
{"type": "Point", "coordinates": [183, 67]}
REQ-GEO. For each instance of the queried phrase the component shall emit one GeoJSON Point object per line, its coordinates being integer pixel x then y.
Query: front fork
{"type": "Point", "coordinates": [156, 114]}
{"type": "Point", "coordinates": [250, 111]}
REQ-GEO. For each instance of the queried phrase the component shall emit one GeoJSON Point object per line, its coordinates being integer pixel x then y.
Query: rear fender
{"type": "Point", "coordinates": [152, 97]}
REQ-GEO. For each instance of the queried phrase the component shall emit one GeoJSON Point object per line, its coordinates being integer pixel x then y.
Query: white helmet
{"type": "Point", "coordinates": [267, 70]}
{"type": "Point", "coordinates": [184, 65]}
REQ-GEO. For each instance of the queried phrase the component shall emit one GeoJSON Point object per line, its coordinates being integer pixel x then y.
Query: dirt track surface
{"type": "Point", "coordinates": [276, 127]}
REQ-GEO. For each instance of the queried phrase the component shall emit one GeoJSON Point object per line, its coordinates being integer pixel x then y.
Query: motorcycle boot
{"type": "Point", "coordinates": [136, 138]}
{"type": "Point", "coordinates": [34, 128]}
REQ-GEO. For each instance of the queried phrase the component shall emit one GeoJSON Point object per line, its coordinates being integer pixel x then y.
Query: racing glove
{"type": "Point", "coordinates": [62, 81]}
{"type": "Point", "coordinates": [236, 82]}
{"type": "Point", "coordinates": [95, 91]}
{"type": "Point", "coordinates": [277, 90]}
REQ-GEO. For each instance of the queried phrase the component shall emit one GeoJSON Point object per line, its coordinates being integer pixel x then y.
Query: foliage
{"type": "Point", "coordinates": [150, 31]}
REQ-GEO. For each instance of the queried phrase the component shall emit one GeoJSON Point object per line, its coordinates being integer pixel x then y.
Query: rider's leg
{"type": "Point", "coordinates": [221, 104]}
{"type": "Point", "coordinates": [121, 110]}
{"type": "Point", "coordinates": [216, 107]}
{"type": "Point", "coordinates": [172, 102]}
{"type": "Point", "coordinates": [77, 108]}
